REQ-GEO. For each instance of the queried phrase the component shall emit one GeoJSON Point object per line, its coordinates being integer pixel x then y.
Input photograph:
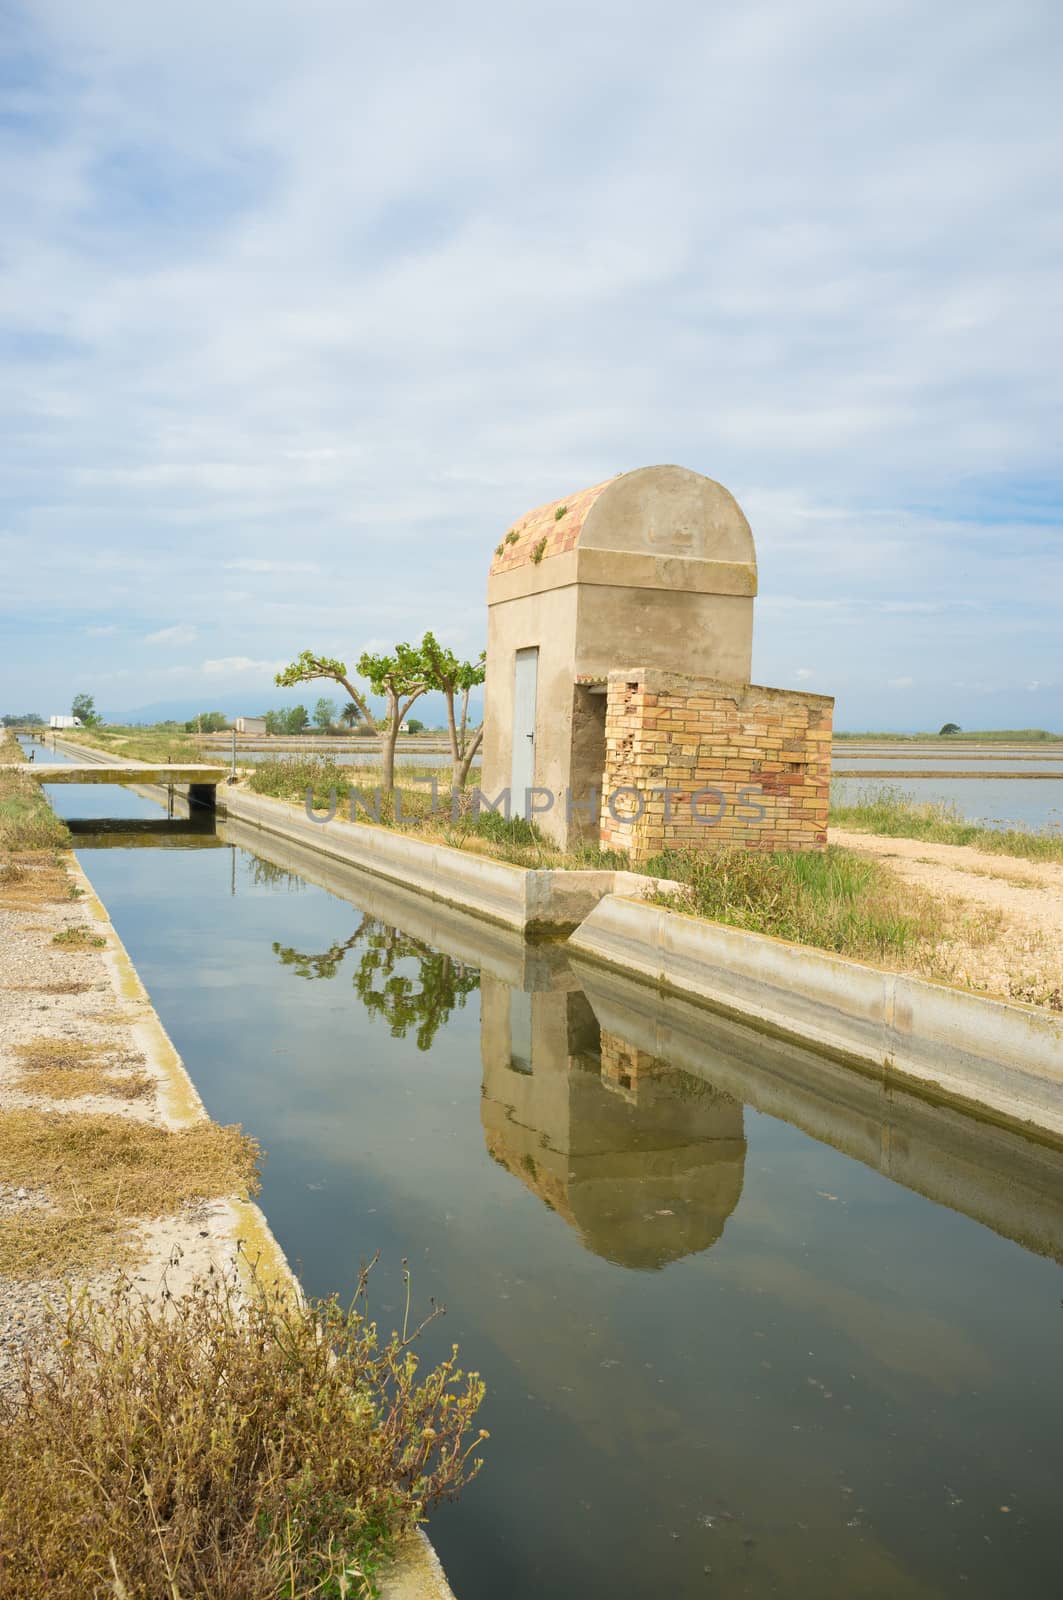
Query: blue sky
{"type": "Point", "coordinates": [302, 304]}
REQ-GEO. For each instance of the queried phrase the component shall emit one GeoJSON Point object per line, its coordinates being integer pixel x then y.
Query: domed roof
{"type": "Point", "coordinates": [662, 511]}
{"type": "Point", "coordinates": [558, 523]}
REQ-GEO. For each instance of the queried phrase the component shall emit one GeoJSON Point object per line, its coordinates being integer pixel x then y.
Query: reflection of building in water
{"type": "Point", "coordinates": [643, 1160]}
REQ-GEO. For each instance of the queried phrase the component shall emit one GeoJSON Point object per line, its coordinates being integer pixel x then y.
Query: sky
{"type": "Point", "coordinates": [303, 304]}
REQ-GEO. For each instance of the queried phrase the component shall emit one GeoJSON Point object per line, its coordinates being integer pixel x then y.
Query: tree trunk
{"type": "Point", "coordinates": [359, 701]}
{"type": "Point", "coordinates": [461, 770]}
{"type": "Point", "coordinates": [390, 736]}
{"type": "Point", "coordinates": [455, 746]}
{"type": "Point", "coordinates": [462, 753]}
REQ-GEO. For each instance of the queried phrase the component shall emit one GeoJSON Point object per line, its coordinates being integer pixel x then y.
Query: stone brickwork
{"type": "Point", "coordinates": [747, 766]}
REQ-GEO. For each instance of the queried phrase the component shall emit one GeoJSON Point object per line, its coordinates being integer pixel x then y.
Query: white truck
{"type": "Point", "coordinates": [64, 722]}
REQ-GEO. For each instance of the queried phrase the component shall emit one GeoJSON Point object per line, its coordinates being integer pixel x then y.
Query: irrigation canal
{"type": "Point", "coordinates": [749, 1326]}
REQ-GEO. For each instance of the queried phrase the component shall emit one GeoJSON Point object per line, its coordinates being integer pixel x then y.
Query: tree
{"type": "Point", "coordinates": [297, 720]}
{"type": "Point", "coordinates": [402, 678]}
{"type": "Point", "coordinates": [453, 678]}
{"type": "Point", "coordinates": [208, 722]}
{"type": "Point", "coordinates": [325, 713]}
{"type": "Point", "coordinates": [307, 667]}
{"type": "Point", "coordinates": [413, 726]}
{"type": "Point", "coordinates": [950, 727]}
{"type": "Point", "coordinates": [84, 708]}
{"type": "Point", "coordinates": [350, 714]}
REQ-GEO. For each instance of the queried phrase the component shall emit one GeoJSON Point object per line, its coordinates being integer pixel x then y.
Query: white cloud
{"type": "Point", "coordinates": [180, 633]}
{"type": "Point", "coordinates": [283, 567]}
{"type": "Point", "coordinates": [900, 683]}
{"type": "Point", "coordinates": [101, 632]}
{"type": "Point", "coordinates": [240, 666]}
{"type": "Point", "coordinates": [803, 673]}
{"type": "Point", "coordinates": [351, 348]}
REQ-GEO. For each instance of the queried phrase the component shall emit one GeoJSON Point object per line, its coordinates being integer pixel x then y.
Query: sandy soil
{"type": "Point", "coordinates": [1023, 958]}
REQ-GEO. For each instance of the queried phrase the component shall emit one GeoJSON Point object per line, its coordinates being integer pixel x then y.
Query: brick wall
{"type": "Point", "coordinates": [754, 748]}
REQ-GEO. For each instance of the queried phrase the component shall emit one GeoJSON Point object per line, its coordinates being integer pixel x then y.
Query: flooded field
{"type": "Point", "coordinates": [1007, 803]}
{"type": "Point", "coordinates": [750, 1326]}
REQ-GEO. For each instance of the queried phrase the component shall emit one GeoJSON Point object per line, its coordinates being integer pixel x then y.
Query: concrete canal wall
{"type": "Point", "coordinates": [991, 1172]}
{"type": "Point", "coordinates": [532, 901]}
{"type": "Point", "coordinates": [953, 1045]}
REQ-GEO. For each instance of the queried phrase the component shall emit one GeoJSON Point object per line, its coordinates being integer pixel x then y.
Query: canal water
{"type": "Point", "coordinates": [749, 1326]}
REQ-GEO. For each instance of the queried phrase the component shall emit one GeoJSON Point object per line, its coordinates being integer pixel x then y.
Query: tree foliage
{"type": "Point", "coordinates": [325, 713]}
{"type": "Point", "coordinates": [950, 727]}
{"type": "Point", "coordinates": [289, 719]}
{"type": "Point", "coordinates": [455, 680]}
{"type": "Point", "coordinates": [307, 667]}
{"type": "Point", "coordinates": [401, 676]}
{"type": "Point", "coordinates": [83, 707]}
{"type": "Point", "coordinates": [207, 722]}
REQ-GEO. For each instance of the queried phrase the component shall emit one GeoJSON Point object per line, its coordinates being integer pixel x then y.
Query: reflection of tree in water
{"type": "Point", "coordinates": [425, 1001]}
{"type": "Point", "coordinates": [263, 872]}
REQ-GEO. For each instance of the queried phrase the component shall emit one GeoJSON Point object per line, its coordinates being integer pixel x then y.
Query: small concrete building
{"type": "Point", "coordinates": [599, 604]}
{"type": "Point", "coordinates": [255, 725]}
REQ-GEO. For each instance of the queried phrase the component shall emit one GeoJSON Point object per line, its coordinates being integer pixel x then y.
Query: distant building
{"type": "Point", "coordinates": [250, 725]}
{"type": "Point", "coordinates": [64, 722]}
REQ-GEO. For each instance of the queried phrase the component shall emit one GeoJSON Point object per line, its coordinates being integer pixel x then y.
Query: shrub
{"type": "Point", "coordinates": [242, 1445]}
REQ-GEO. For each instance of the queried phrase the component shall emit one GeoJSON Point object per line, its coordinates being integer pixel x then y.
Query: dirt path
{"type": "Point", "coordinates": [1024, 958]}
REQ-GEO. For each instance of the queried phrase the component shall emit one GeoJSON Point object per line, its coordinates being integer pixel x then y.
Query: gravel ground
{"type": "Point", "coordinates": [69, 997]}
{"type": "Point", "coordinates": [1023, 959]}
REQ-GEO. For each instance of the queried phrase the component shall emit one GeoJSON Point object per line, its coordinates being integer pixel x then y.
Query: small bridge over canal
{"type": "Point", "coordinates": [200, 780]}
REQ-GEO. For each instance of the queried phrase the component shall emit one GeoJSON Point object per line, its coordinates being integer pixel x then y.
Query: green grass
{"type": "Point", "coordinates": [78, 939]}
{"type": "Point", "coordinates": [141, 744]}
{"type": "Point", "coordinates": [830, 900]}
{"type": "Point", "coordinates": [894, 813]}
{"type": "Point", "coordinates": [27, 821]}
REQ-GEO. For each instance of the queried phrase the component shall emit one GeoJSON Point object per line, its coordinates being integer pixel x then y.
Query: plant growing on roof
{"type": "Point", "coordinates": [539, 551]}
{"type": "Point", "coordinates": [560, 512]}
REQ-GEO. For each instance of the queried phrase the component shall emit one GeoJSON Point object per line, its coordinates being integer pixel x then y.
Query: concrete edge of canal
{"type": "Point", "coordinates": [416, 1572]}
{"type": "Point", "coordinates": [549, 901]}
{"type": "Point", "coordinates": [964, 1049]}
